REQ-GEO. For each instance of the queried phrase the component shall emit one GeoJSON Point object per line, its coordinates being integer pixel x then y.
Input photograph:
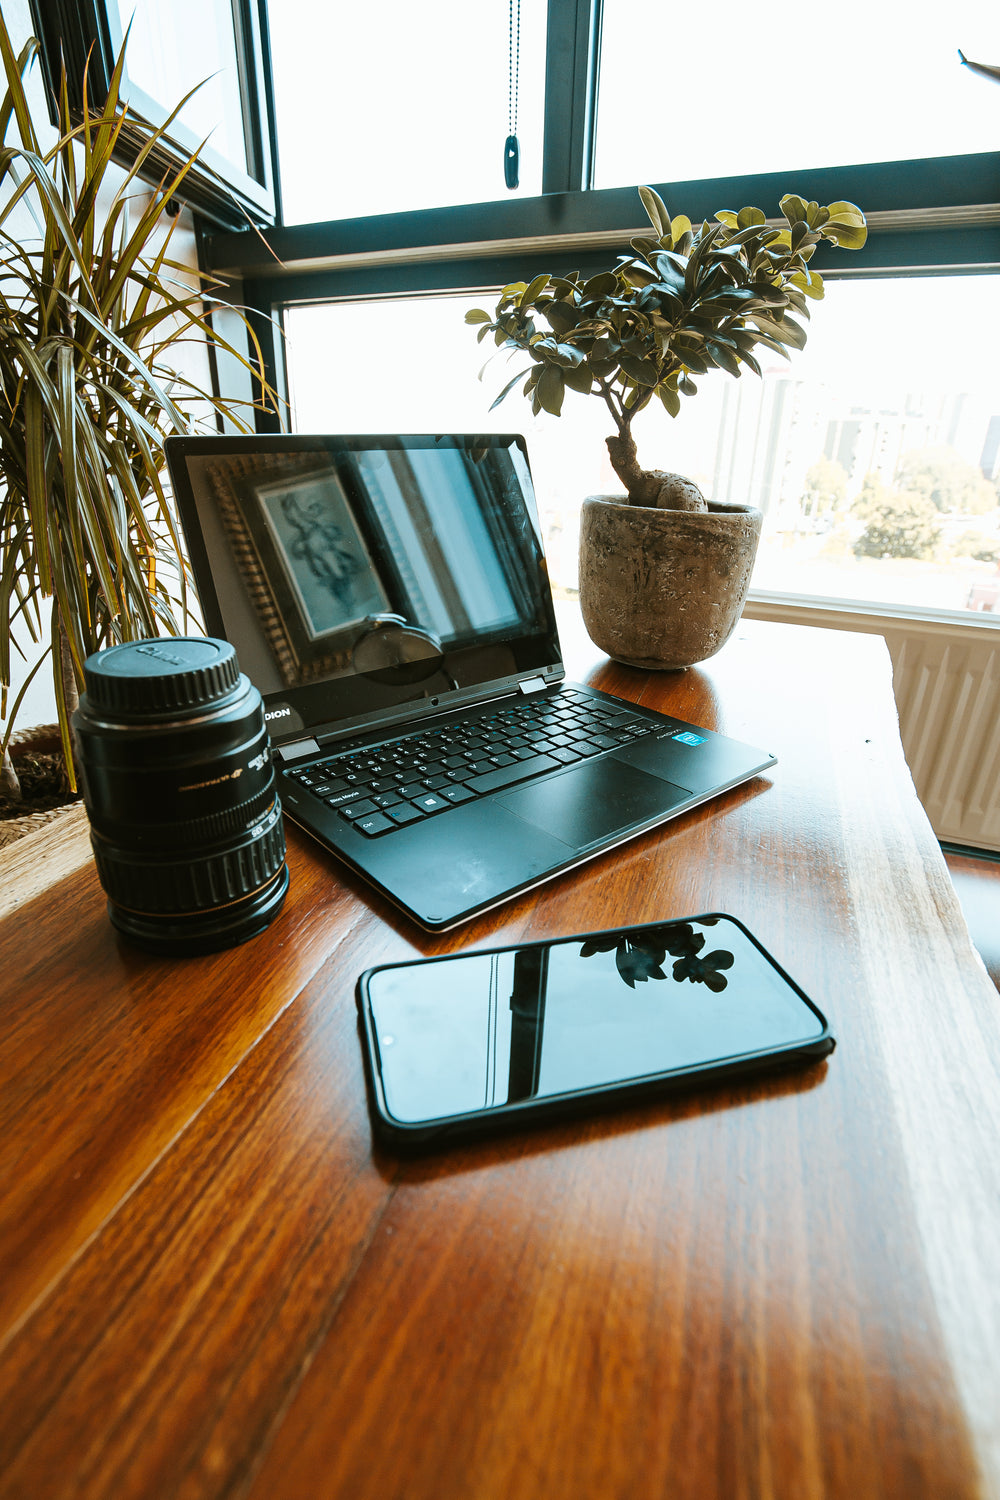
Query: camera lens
{"type": "Point", "coordinates": [178, 784]}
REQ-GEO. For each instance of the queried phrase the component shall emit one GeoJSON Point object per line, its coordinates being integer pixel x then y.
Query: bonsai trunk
{"type": "Point", "coordinates": [651, 487]}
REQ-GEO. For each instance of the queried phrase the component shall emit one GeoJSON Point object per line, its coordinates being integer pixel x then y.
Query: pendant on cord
{"type": "Point", "coordinates": [511, 149]}
{"type": "Point", "coordinates": [511, 161]}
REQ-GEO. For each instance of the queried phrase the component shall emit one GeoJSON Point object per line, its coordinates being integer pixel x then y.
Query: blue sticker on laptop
{"type": "Point", "coordinates": [687, 738]}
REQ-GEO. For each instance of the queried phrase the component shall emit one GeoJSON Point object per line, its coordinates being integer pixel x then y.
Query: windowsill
{"type": "Point", "coordinates": [863, 614]}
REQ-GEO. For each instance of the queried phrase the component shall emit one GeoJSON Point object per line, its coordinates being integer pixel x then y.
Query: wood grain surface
{"type": "Point", "coordinates": [212, 1285]}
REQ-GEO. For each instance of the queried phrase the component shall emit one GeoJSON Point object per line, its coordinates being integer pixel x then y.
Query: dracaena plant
{"type": "Point", "coordinates": [691, 299]}
{"type": "Point", "coordinates": [93, 314]}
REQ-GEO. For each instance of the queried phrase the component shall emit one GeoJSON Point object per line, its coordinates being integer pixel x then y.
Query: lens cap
{"type": "Point", "coordinates": [168, 675]}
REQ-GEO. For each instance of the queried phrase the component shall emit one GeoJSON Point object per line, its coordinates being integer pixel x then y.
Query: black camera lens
{"type": "Point", "coordinates": [178, 784]}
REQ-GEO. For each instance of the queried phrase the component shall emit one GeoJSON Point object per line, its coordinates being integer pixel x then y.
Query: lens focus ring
{"type": "Point", "coordinates": [193, 882]}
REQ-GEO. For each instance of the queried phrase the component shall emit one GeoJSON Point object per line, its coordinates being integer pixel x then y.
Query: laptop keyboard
{"type": "Point", "coordinates": [378, 788]}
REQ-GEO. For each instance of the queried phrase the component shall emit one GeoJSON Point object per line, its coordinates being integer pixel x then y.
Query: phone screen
{"type": "Point", "coordinates": [481, 1032]}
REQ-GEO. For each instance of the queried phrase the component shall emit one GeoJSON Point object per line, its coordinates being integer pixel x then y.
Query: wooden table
{"type": "Point", "coordinates": [211, 1285]}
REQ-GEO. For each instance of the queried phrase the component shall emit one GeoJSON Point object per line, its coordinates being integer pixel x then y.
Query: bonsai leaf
{"type": "Point", "coordinates": [656, 211]}
{"type": "Point", "coordinates": [751, 234]}
{"type": "Point", "coordinates": [550, 389]}
{"type": "Point", "coordinates": [670, 399]}
{"type": "Point", "coordinates": [690, 355]}
{"type": "Point", "coordinates": [605, 284]}
{"type": "Point", "coordinates": [680, 227]}
{"type": "Point", "coordinates": [558, 354]}
{"type": "Point", "coordinates": [507, 388]}
{"type": "Point", "coordinates": [579, 378]}
{"type": "Point", "coordinates": [846, 226]}
{"type": "Point", "coordinates": [642, 371]}
{"type": "Point", "coordinates": [790, 332]}
{"type": "Point", "coordinates": [750, 216]}
{"type": "Point", "coordinates": [563, 316]}
{"type": "Point", "coordinates": [808, 282]}
{"type": "Point", "coordinates": [793, 208]}
{"type": "Point", "coordinates": [477, 315]}
{"type": "Point", "coordinates": [724, 355]}
{"type": "Point", "coordinates": [637, 274]}
{"type": "Point", "coordinates": [799, 234]}
{"type": "Point", "coordinates": [534, 290]}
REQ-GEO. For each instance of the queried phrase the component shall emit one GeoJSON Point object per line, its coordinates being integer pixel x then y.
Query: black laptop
{"type": "Point", "coordinates": [389, 598]}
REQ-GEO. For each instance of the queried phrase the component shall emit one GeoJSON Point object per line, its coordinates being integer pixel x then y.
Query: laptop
{"type": "Point", "coordinates": [388, 596]}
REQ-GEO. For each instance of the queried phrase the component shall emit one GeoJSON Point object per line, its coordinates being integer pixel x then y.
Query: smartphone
{"type": "Point", "coordinates": [478, 1042]}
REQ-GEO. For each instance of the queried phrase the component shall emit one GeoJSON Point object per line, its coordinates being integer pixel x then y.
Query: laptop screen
{"type": "Point", "coordinates": [355, 575]}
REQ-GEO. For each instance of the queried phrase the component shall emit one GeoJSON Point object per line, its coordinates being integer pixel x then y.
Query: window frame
{"type": "Point", "coordinates": [89, 38]}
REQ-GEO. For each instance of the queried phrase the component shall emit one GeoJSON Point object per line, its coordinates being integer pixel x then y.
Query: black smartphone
{"type": "Point", "coordinates": [482, 1041]}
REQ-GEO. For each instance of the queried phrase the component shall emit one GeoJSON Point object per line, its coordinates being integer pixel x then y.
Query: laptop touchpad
{"type": "Point", "coordinates": [594, 801]}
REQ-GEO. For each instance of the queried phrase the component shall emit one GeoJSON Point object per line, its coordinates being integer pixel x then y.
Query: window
{"type": "Point", "coordinates": [874, 453]}
{"type": "Point", "coordinates": [404, 107]}
{"type": "Point", "coordinates": [856, 83]}
{"type": "Point", "coordinates": [233, 181]}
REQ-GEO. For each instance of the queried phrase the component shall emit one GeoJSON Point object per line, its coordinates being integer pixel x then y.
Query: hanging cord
{"type": "Point", "coordinates": [511, 150]}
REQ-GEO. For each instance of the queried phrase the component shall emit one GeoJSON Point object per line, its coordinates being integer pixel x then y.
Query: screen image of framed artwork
{"type": "Point", "coordinates": [321, 552]}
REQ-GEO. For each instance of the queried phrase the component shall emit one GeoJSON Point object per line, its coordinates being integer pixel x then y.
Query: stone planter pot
{"type": "Point", "coordinates": [663, 589]}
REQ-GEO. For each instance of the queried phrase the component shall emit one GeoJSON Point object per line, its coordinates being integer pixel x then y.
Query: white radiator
{"type": "Point", "coordinates": [948, 697]}
{"type": "Point", "coordinates": [946, 679]}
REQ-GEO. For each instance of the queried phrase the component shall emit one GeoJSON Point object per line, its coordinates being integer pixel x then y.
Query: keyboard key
{"type": "Point", "coordinates": [413, 790]}
{"type": "Point", "coordinates": [522, 770]}
{"type": "Point", "coordinates": [374, 823]}
{"type": "Point", "coordinates": [340, 799]}
{"type": "Point", "coordinates": [457, 794]}
{"type": "Point", "coordinates": [386, 799]}
{"type": "Point", "coordinates": [430, 803]}
{"type": "Point", "coordinates": [566, 755]}
{"type": "Point", "coordinates": [404, 812]}
{"type": "Point", "coordinates": [358, 809]}
{"type": "Point", "coordinates": [585, 746]}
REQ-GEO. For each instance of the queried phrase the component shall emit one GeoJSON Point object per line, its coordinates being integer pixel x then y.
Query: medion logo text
{"type": "Point", "coordinates": [279, 713]}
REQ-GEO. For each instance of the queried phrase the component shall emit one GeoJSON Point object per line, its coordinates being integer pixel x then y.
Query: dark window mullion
{"type": "Point", "coordinates": [572, 62]}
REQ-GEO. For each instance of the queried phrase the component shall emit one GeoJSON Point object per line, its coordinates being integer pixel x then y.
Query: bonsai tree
{"type": "Point", "coordinates": [92, 313]}
{"type": "Point", "coordinates": [689, 300]}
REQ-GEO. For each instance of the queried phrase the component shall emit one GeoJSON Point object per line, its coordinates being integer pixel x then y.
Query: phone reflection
{"type": "Point", "coordinates": [483, 1031]}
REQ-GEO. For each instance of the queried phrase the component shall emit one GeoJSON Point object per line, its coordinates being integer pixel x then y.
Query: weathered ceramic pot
{"type": "Point", "coordinates": [664, 589]}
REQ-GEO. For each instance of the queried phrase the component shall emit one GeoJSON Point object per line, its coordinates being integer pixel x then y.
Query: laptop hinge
{"type": "Point", "coordinates": [297, 749]}
{"type": "Point", "coordinates": [533, 685]}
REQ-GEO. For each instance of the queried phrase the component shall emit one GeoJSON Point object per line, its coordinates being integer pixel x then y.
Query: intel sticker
{"type": "Point", "coordinates": [687, 738]}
